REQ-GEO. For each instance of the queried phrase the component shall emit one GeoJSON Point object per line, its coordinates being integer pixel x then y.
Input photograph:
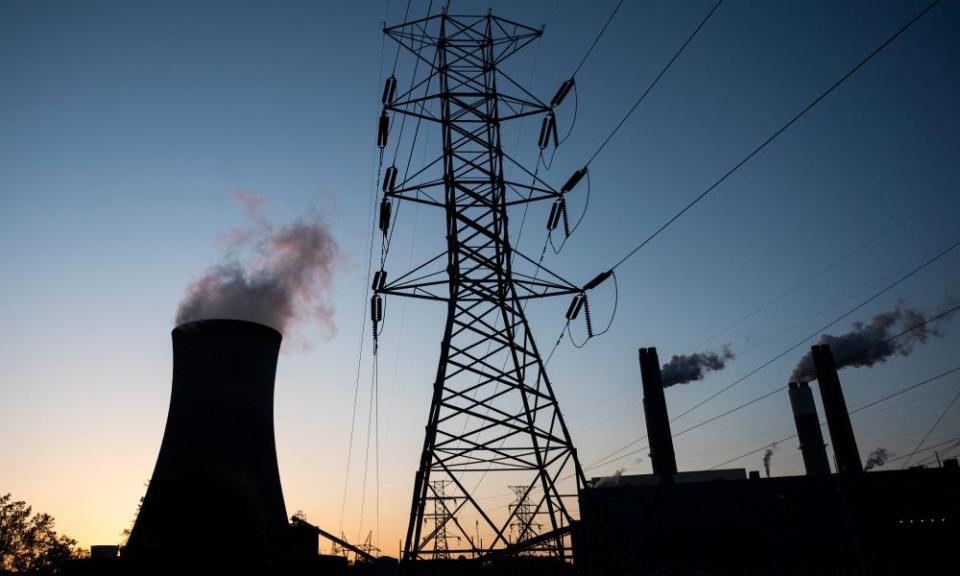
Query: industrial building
{"type": "Point", "coordinates": [215, 497]}
{"type": "Point", "coordinates": [729, 522]}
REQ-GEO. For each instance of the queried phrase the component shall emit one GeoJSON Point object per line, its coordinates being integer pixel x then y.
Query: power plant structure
{"type": "Point", "coordinates": [215, 495]}
{"type": "Point", "coordinates": [726, 521]}
{"type": "Point", "coordinates": [494, 426]}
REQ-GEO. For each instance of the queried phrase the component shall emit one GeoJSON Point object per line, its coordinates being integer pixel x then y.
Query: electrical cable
{"type": "Point", "coordinates": [387, 241]}
{"type": "Point", "coordinates": [773, 136]}
{"type": "Point", "coordinates": [830, 266]}
{"type": "Point", "coordinates": [366, 459]}
{"type": "Point", "coordinates": [932, 428]}
{"type": "Point", "coordinates": [939, 316]}
{"type": "Point", "coordinates": [863, 303]}
{"type": "Point", "coordinates": [859, 409]}
{"type": "Point", "coordinates": [396, 58]}
{"type": "Point", "coordinates": [597, 38]}
{"type": "Point", "coordinates": [363, 313]}
{"type": "Point", "coordinates": [656, 79]}
{"type": "Point", "coordinates": [955, 441]}
{"type": "Point", "coordinates": [852, 412]}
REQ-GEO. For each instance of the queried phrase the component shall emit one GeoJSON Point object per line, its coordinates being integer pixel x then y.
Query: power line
{"type": "Point", "coordinates": [752, 348]}
{"type": "Point", "coordinates": [752, 452]}
{"type": "Point", "coordinates": [932, 428]}
{"type": "Point", "coordinates": [607, 459]}
{"type": "Point", "coordinates": [660, 75]}
{"type": "Point", "coordinates": [773, 136]}
{"type": "Point", "coordinates": [363, 314]}
{"type": "Point", "coordinates": [597, 38]}
{"type": "Point", "coordinates": [831, 266]}
{"type": "Point", "coordinates": [852, 412]}
{"type": "Point", "coordinates": [955, 441]}
{"type": "Point", "coordinates": [876, 295]}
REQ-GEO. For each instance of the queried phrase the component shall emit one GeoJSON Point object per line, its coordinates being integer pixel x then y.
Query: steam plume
{"type": "Point", "coordinates": [611, 480]}
{"type": "Point", "coordinates": [690, 367]}
{"type": "Point", "coordinates": [869, 344]}
{"type": "Point", "coordinates": [285, 279]}
{"type": "Point", "coordinates": [877, 458]}
{"type": "Point", "coordinates": [768, 457]}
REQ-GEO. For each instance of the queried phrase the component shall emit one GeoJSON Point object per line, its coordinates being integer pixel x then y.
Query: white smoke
{"type": "Point", "coordinates": [285, 278]}
{"type": "Point", "coordinates": [611, 480]}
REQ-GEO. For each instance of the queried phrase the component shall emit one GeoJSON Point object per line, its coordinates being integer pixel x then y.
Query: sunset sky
{"type": "Point", "coordinates": [128, 131]}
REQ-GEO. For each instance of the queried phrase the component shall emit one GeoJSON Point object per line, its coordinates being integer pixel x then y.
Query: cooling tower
{"type": "Point", "coordinates": [215, 493]}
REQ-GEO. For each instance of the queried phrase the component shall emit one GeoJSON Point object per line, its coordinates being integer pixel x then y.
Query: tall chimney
{"type": "Point", "coordinates": [835, 408]}
{"type": "Point", "coordinates": [655, 410]}
{"type": "Point", "coordinates": [215, 493]}
{"type": "Point", "coordinates": [808, 429]}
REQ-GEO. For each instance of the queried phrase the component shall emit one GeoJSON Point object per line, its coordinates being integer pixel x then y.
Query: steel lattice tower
{"type": "Point", "coordinates": [494, 418]}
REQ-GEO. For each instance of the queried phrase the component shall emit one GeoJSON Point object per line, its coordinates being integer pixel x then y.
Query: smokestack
{"type": "Point", "coordinates": [655, 410]}
{"type": "Point", "coordinates": [808, 429]}
{"type": "Point", "coordinates": [215, 493]}
{"type": "Point", "coordinates": [835, 408]}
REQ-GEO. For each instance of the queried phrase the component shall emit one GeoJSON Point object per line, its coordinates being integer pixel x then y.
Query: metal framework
{"type": "Point", "coordinates": [494, 420]}
{"type": "Point", "coordinates": [525, 525]}
{"type": "Point", "coordinates": [440, 518]}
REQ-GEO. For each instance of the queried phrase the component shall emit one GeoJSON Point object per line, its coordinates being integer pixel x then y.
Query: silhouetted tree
{"type": "Point", "coordinates": [28, 542]}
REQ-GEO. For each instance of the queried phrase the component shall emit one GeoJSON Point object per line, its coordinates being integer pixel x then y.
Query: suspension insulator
{"type": "Point", "coordinates": [562, 93]}
{"type": "Point", "coordinates": [566, 218]}
{"type": "Point", "coordinates": [554, 218]}
{"type": "Point", "coordinates": [389, 90]}
{"type": "Point", "coordinates": [384, 130]}
{"type": "Point", "coordinates": [376, 309]}
{"type": "Point", "coordinates": [586, 315]}
{"type": "Point", "coordinates": [390, 179]}
{"type": "Point", "coordinates": [385, 215]}
{"type": "Point", "coordinates": [553, 130]}
{"type": "Point", "coordinates": [379, 280]}
{"type": "Point", "coordinates": [574, 180]}
{"type": "Point", "coordinates": [548, 131]}
{"type": "Point", "coordinates": [598, 280]}
{"type": "Point", "coordinates": [575, 305]}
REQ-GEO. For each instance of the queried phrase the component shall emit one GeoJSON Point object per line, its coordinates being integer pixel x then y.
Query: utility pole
{"type": "Point", "coordinates": [494, 420]}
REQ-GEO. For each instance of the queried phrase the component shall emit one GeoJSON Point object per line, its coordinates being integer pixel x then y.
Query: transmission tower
{"type": "Point", "coordinates": [494, 420]}
{"type": "Point", "coordinates": [440, 517]}
{"type": "Point", "coordinates": [524, 526]}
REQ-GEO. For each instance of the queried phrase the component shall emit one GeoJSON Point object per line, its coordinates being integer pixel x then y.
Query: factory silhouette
{"type": "Point", "coordinates": [215, 504]}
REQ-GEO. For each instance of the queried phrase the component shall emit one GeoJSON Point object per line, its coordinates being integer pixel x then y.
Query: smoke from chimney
{"type": "Point", "coordinates": [877, 458]}
{"type": "Point", "coordinates": [869, 344]}
{"type": "Point", "coordinates": [685, 368]}
{"type": "Point", "coordinates": [284, 279]}
{"type": "Point", "coordinates": [768, 457]}
{"type": "Point", "coordinates": [611, 480]}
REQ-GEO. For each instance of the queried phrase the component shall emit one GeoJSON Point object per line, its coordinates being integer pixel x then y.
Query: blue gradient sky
{"type": "Point", "coordinates": [125, 127]}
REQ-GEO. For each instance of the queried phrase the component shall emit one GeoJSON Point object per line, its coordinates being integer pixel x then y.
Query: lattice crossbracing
{"type": "Point", "coordinates": [494, 423]}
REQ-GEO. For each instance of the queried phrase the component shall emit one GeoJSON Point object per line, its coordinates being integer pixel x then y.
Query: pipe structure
{"type": "Point", "coordinates": [662, 456]}
{"type": "Point", "coordinates": [835, 408]}
{"type": "Point", "coordinates": [215, 494]}
{"type": "Point", "coordinates": [808, 429]}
